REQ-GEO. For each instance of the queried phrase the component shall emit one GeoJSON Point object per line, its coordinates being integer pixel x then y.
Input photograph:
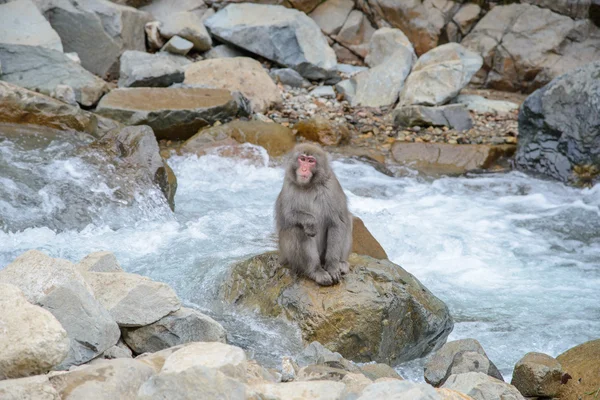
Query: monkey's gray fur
{"type": "Point", "coordinates": [313, 221]}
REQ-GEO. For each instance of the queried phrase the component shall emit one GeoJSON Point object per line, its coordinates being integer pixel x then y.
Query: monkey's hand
{"type": "Point", "coordinates": [335, 270]}
{"type": "Point", "coordinates": [310, 229]}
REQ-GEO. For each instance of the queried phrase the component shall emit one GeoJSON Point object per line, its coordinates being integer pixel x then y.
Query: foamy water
{"type": "Point", "coordinates": [516, 259]}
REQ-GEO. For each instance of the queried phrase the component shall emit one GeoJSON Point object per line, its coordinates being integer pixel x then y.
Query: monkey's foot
{"type": "Point", "coordinates": [322, 277]}
{"type": "Point", "coordinates": [344, 267]}
{"type": "Point", "coordinates": [335, 270]}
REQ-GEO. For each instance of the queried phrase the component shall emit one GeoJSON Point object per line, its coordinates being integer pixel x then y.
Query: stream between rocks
{"type": "Point", "coordinates": [517, 259]}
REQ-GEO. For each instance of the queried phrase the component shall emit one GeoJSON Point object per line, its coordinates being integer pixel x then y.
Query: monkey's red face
{"type": "Point", "coordinates": [306, 167]}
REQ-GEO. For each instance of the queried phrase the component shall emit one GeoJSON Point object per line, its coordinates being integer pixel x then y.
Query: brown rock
{"type": "Point", "coordinates": [449, 394]}
{"type": "Point", "coordinates": [582, 363]}
{"type": "Point", "coordinates": [378, 370]}
{"type": "Point", "coordinates": [537, 375]}
{"type": "Point", "coordinates": [364, 243]}
{"type": "Point", "coordinates": [323, 131]}
{"type": "Point", "coordinates": [442, 158]}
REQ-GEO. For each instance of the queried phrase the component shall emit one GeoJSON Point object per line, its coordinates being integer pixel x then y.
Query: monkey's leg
{"type": "Point", "coordinates": [302, 253]}
{"type": "Point", "coordinates": [336, 246]}
{"type": "Point", "coordinates": [347, 247]}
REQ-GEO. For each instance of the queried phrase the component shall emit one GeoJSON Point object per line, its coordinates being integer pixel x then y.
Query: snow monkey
{"type": "Point", "coordinates": [313, 221]}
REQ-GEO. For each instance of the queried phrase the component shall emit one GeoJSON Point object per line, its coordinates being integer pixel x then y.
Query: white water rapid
{"type": "Point", "coordinates": [516, 259]}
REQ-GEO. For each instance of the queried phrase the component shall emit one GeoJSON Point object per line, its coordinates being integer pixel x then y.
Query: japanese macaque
{"type": "Point", "coordinates": [313, 221]}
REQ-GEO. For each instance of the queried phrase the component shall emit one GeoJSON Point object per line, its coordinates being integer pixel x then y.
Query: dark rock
{"type": "Point", "coordinates": [455, 116]}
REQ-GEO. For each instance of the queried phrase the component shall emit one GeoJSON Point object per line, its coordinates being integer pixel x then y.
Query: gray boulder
{"type": "Point", "coordinates": [537, 375]}
{"type": "Point", "coordinates": [224, 51]}
{"type": "Point", "coordinates": [42, 69]}
{"type": "Point", "coordinates": [316, 354]}
{"type": "Point", "coordinates": [285, 36]}
{"type": "Point", "coordinates": [290, 77]}
{"type": "Point", "coordinates": [559, 128]}
{"type": "Point", "coordinates": [332, 14]}
{"type": "Point", "coordinates": [439, 75]}
{"type": "Point", "coordinates": [457, 357]}
{"type": "Point", "coordinates": [482, 387]}
{"type": "Point", "coordinates": [35, 388]}
{"type": "Point", "coordinates": [187, 25]}
{"type": "Point", "coordinates": [325, 92]}
{"type": "Point", "coordinates": [99, 261]}
{"type": "Point", "coordinates": [454, 116]}
{"type": "Point", "coordinates": [182, 326]}
{"type": "Point", "coordinates": [385, 42]}
{"type": "Point", "coordinates": [22, 23]}
{"type": "Point", "coordinates": [97, 30]}
{"type": "Point", "coordinates": [139, 69]}
{"type": "Point", "coordinates": [119, 350]}
{"type": "Point", "coordinates": [178, 46]}
{"type": "Point", "coordinates": [173, 113]}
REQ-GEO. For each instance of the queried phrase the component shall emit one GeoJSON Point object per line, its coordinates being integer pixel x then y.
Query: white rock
{"type": "Point", "coordinates": [34, 388]}
{"type": "Point", "coordinates": [385, 42]}
{"type": "Point", "coordinates": [482, 387]}
{"type": "Point", "coordinates": [315, 390]}
{"type": "Point", "coordinates": [22, 23]}
{"type": "Point", "coordinates": [229, 360]}
{"type": "Point", "coordinates": [331, 15]}
{"type": "Point", "coordinates": [482, 105]}
{"type": "Point", "coordinates": [323, 91]}
{"type": "Point", "coordinates": [178, 45]}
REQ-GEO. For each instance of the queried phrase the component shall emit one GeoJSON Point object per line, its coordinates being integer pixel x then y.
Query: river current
{"type": "Point", "coordinates": [516, 259]}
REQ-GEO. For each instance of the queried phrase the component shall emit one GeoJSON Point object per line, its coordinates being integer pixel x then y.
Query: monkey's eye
{"type": "Point", "coordinates": [302, 158]}
{"type": "Point", "coordinates": [311, 160]}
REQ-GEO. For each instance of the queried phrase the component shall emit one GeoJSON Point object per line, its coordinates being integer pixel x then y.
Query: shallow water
{"type": "Point", "coordinates": [516, 259]}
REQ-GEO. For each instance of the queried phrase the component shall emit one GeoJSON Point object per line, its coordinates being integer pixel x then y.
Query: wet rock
{"type": "Point", "coordinates": [378, 370]}
{"type": "Point", "coordinates": [537, 45]}
{"type": "Point", "coordinates": [42, 69]}
{"type": "Point", "coordinates": [290, 77]}
{"type": "Point", "coordinates": [356, 33]}
{"type": "Point", "coordinates": [276, 139]}
{"type": "Point", "coordinates": [350, 318]}
{"type": "Point", "coordinates": [363, 241]}
{"type": "Point", "coordinates": [33, 341]}
{"type": "Point", "coordinates": [457, 357]}
{"type": "Point", "coordinates": [551, 140]}
{"type": "Point", "coordinates": [318, 390]}
{"type": "Point", "coordinates": [325, 92]}
{"type": "Point", "coordinates": [110, 379]}
{"type": "Point", "coordinates": [454, 116]}
{"type": "Point", "coordinates": [268, 30]}
{"type": "Point", "coordinates": [22, 23]}
{"type": "Point", "coordinates": [178, 46]}
{"type": "Point", "coordinates": [86, 26]}
{"type": "Point", "coordinates": [401, 390]}
{"type": "Point", "coordinates": [582, 364]}
{"type": "Point", "coordinates": [99, 261]}
{"type": "Point", "coordinates": [187, 25]}
{"type": "Point", "coordinates": [132, 300]}
{"type": "Point", "coordinates": [139, 69]}
{"type": "Point", "coordinates": [331, 15]}
{"type": "Point", "coordinates": [34, 388]}
{"type": "Point", "coordinates": [439, 75]}
{"type": "Point", "coordinates": [385, 42]}
{"type": "Point", "coordinates": [224, 51]}
{"type": "Point", "coordinates": [481, 105]}
{"type": "Point", "coordinates": [241, 74]}
{"type": "Point", "coordinates": [537, 375]}
{"type": "Point", "coordinates": [182, 326]}
{"type": "Point", "coordinates": [323, 131]}
{"type": "Point", "coordinates": [481, 386]}
{"type": "Point", "coordinates": [443, 158]}
{"type": "Point", "coordinates": [173, 113]}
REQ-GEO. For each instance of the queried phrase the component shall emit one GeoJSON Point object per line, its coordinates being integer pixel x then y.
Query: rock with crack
{"type": "Point", "coordinates": [332, 14]}
{"type": "Point", "coordinates": [455, 116]}
{"type": "Point", "coordinates": [356, 33]}
{"type": "Point", "coordinates": [22, 23]}
{"type": "Point", "coordinates": [140, 69]}
{"type": "Point", "coordinates": [537, 375]}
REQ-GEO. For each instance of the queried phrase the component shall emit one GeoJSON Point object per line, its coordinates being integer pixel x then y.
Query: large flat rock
{"type": "Point", "coordinates": [22, 23]}
{"type": "Point", "coordinates": [173, 113]}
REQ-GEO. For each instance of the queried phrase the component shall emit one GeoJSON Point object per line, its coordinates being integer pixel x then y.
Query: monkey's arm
{"type": "Point", "coordinates": [288, 218]}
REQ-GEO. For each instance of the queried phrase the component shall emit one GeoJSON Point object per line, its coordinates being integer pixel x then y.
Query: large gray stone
{"type": "Point", "coordinates": [282, 35]}
{"type": "Point", "coordinates": [33, 388]}
{"type": "Point", "coordinates": [458, 357]}
{"type": "Point", "coordinates": [537, 375]}
{"type": "Point", "coordinates": [22, 23]}
{"type": "Point", "coordinates": [454, 116]}
{"type": "Point", "coordinates": [178, 46]}
{"type": "Point", "coordinates": [97, 30]}
{"type": "Point", "coordinates": [32, 340]}
{"type": "Point", "coordinates": [140, 69]}
{"type": "Point", "coordinates": [332, 14]}
{"type": "Point", "coordinates": [439, 75]}
{"type": "Point", "coordinates": [173, 113]}
{"type": "Point", "coordinates": [182, 326]}
{"type": "Point", "coordinates": [42, 69]}
{"type": "Point", "coordinates": [290, 77]}
{"type": "Point", "coordinates": [132, 300]}
{"type": "Point", "coordinates": [482, 387]}
{"type": "Point", "coordinates": [187, 25]}
{"type": "Point", "coordinates": [559, 128]}
{"type": "Point", "coordinates": [385, 42]}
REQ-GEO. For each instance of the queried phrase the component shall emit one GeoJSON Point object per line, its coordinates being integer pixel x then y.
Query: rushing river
{"type": "Point", "coordinates": [516, 259]}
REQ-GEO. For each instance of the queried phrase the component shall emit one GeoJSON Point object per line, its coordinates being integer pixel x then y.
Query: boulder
{"type": "Point", "coordinates": [363, 241]}
{"type": "Point", "coordinates": [355, 384]}
{"type": "Point", "coordinates": [454, 159]}
{"type": "Point", "coordinates": [187, 25]}
{"type": "Point", "coordinates": [276, 139]}
{"type": "Point", "coordinates": [524, 46]}
{"type": "Point", "coordinates": [160, 9]}
{"type": "Point", "coordinates": [481, 386]}
{"type": "Point", "coordinates": [399, 390]}
{"type": "Point", "coordinates": [449, 394]}
{"type": "Point", "coordinates": [178, 46]}
{"type": "Point", "coordinates": [554, 143]}
{"type": "Point", "coordinates": [462, 22]}
{"type": "Point", "coordinates": [387, 41]}
{"type": "Point", "coordinates": [172, 113]}
{"type": "Point", "coordinates": [109, 379]}
{"type": "Point", "coordinates": [157, 360]}
{"type": "Point", "coordinates": [457, 357]}
{"type": "Point", "coordinates": [316, 390]}
{"type": "Point", "coordinates": [182, 326]}
{"type": "Point", "coordinates": [119, 350]}
{"type": "Point", "coordinates": [132, 300]}
{"type": "Point", "coordinates": [454, 116]}
{"type": "Point", "coordinates": [325, 92]}
{"type": "Point", "coordinates": [582, 364]}
{"type": "Point", "coordinates": [34, 388]}
{"type": "Point", "coordinates": [323, 131]}
{"type": "Point", "coordinates": [285, 36]}
{"type": "Point", "coordinates": [98, 31]}
{"type": "Point", "coordinates": [42, 69]}
{"type": "Point", "coordinates": [350, 318]}
{"type": "Point", "coordinates": [224, 51]}
{"type": "Point", "coordinates": [316, 354]}
{"type": "Point", "coordinates": [100, 261]}
{"type": "Point", "coordinates": [331, 15]}
{"type": "Point", "coordinates": [255, 374]}
{"type": "Point", "coordinates": [381, 85]}
{"type": "Point", "coordinates": [377, 370]}
{"type": "Point", "coordinates": [439, 75]}
{"type": "Point", "coordinates": [481, 105]}
{"type": "Point", "coordinates": [32, 340]}
{"type": "Point", "coordinates": [22, 23]}
{"type": "Point", "coordinates": [139, 69]}
{"type": "Point", "coordinates": [241, 74]}
{"type": "Point", "coordinates": [356, 33]}
{"type": "Point", "coordinates": [290, 77]}
{"type": "Point", "coordinates": [537, 375]}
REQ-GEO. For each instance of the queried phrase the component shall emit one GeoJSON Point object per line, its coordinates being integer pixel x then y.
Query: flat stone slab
{"type": "Point", "coordinates": [173, 113]}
